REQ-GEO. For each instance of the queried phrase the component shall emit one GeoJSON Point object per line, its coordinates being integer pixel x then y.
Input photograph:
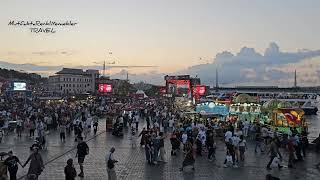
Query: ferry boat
{"type": "Point", "coordinates": [306, 101]}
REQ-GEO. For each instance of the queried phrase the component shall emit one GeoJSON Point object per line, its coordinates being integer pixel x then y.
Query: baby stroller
{"type": "Point", "coordinates": [38, 142]}
{"type": "Point", "coordinates": [117, 130]}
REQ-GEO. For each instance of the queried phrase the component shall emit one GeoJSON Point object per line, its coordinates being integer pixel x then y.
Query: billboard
{"type": "Point", "coordinates": [105, 88]}
{"type": "Point", "coordinates": [178, 86]}
{"type": "Point", "coordinates": [19, 86]}
{"type": "Point", "coordinates": [199, 90]}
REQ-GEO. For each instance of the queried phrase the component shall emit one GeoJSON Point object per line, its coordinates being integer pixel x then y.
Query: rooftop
{"type": "Point", "coordinates": [71, 71]}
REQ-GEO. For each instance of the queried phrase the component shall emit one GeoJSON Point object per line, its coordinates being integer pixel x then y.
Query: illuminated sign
{"type": "Point", "coordinates": [19, 86]}
{"type": "Point", "coordinates": [178, 86]}
{"type": "Point", "coordinates": [105, 88]}
{"type": "Point", "coordinates": [199, 90]}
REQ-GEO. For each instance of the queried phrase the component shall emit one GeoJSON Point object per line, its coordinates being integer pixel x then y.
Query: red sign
{"type": "Point", "coordinates": [199, 90]}
{"type": "Point", "coordinates": [105, 88]}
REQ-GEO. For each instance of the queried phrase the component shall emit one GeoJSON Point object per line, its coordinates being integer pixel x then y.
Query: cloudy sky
{"type": "Point", "coordinates": [248, 41]}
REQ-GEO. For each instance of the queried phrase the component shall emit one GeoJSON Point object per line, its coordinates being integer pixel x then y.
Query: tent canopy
{"type": "Point", "coordinates": [142, 92]}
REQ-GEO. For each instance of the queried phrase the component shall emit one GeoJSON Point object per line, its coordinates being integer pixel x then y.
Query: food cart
{"type": "Point", "coordinates": [212, 109]}
{"type": "Point", "coordinates": [245, 111]}
{"type": "Point", "coordinates": [285, 118]}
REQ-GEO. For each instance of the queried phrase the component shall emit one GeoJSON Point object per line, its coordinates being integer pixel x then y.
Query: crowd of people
{"type": "Point", "coordinates": [191, 136]}
{"type": "Point", "coordinates": [38, 118]}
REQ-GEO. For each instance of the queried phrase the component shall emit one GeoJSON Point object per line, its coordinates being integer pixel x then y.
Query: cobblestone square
{"type": "Point", "coordinates": [132, 164]}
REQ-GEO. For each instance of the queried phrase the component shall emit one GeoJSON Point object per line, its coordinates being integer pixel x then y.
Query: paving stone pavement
{"type": "Point", "coordinates": [132, 164]}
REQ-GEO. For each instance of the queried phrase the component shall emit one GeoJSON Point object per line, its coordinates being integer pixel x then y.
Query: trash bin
{"type": "Point", "coordinates": [108, 123]}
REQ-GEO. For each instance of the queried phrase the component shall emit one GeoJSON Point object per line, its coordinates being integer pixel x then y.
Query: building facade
{"type": "Point", "coordinates": [74, 81]}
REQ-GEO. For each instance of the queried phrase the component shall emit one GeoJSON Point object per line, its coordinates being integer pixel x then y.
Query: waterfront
{"type": "Point", "coordinates": [314, 125]}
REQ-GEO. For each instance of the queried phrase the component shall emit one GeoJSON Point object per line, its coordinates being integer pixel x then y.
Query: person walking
{"type": "Point", "coordinates": [12, 163]}
{"type": "Point", "coordinates": [274, 153]}
{"type": "Point", "coordinates": [110, 161]}
{"type": "Point", "coordinates": [161, 147]}
{"type": "Point", "coordinates": [82, 151]}
{"type": "Point", "coordinates": [69, 171]}
{"type": "Point", "coordinates": [242, 147]}
{"type": "Point", "coordinates": [136, 120]}
{"type": "Point", "coordinates": [148, 148]}
{"type": "Point", "coordinates": [32, 128]}
{"type": "Point", "coordinates": [95, 125]}
{"type": "Point", "coordinates": [246, 127]}
{"type": "Point", "coordinates": [63, 132]}
{"type": "Point", "coordinates": [259, 142]}
{"type": "Point", "coordinates": [291, 151]}
{"type": "Point", "coordinates": [189, 158]}
{"type": "Point", "coordinates": [211, 146]}
{"type": "Point", "coordinates": [36, 163]}
{"type": "Point", "coordinates": [19, 126]}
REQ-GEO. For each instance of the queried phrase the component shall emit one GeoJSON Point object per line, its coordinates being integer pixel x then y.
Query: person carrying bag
{"type": "Point", "coordinates": [111, 165]}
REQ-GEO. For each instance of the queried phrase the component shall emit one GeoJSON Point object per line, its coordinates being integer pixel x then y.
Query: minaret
{"type": "Point", "coordinates": [217, 78]}
{"type": "Point", "coordinates": [295, 78]}
{"type": "Point", "coordinates": [127, 76]}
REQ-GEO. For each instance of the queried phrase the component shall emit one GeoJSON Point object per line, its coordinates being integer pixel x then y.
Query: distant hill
{"type": "Point", "coordinates": [16, 75]}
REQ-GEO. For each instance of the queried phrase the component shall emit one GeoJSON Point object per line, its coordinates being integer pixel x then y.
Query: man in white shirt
{"type": "Point", "coordinates": [227, 136]}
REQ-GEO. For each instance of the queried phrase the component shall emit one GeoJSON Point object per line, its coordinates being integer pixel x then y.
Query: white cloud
{"type": "Point", "coordinates": [251, 66]}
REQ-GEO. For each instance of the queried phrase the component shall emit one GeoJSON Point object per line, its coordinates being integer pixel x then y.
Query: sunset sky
{"type": "Point", "coordinates": [169, 34]}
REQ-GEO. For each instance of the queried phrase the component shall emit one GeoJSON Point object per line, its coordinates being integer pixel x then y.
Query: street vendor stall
{"type": "Point", "coordinates": [211, 109]}
{"type": "Point", "coordinates": [285, 118]}
{"type": "Point", "coordinates": [243, 111]}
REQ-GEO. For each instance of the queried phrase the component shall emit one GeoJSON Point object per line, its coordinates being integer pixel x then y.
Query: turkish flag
{"type": "Point", "coordinates": [291, 115]}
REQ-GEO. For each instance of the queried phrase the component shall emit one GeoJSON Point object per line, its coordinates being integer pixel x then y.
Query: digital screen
{"type": "Point", "coordinates": [19, 86]}
{"type": "Point", "coordinates": [105, 88]}
{"type": "Point", "coordinates": [199, 90]}
{"type": "Point", "coordinates": [178, 86]}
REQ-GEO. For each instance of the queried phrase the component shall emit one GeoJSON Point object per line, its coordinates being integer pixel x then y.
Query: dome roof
{"type": "Point", "coordinates": [245, 98]}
